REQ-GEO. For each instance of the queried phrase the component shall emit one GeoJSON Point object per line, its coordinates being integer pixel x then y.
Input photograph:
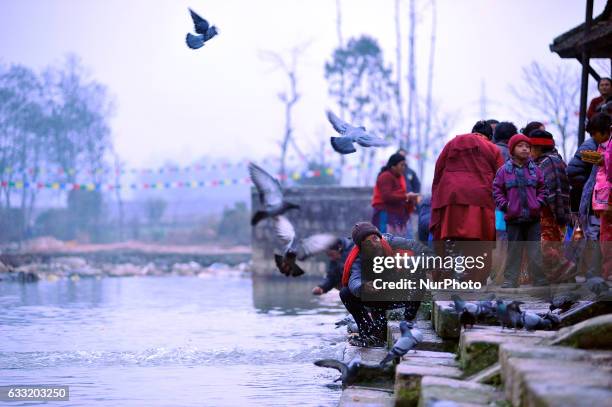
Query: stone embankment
{"type": "Point", "coordinates": [483, 366]}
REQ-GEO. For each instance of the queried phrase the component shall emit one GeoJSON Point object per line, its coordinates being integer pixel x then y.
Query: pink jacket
{"type": "Point", "coordinates": [603, 180]}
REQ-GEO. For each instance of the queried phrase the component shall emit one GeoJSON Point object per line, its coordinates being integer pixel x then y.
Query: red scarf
{"type": "Point", "coordinates": [350, 259]}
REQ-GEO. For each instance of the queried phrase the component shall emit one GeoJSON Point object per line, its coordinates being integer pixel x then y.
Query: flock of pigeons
{"type": "Point", "coordinates": [349, 134]}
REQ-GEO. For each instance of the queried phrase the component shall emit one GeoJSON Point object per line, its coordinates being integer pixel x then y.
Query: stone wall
{"type": "Point", "coordinates": [330, 209]}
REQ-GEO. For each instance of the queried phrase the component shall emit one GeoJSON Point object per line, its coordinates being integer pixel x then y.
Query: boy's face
{"type": "Point", "coordinates": [522, 150]}
{"type": "Point", "coordinates": [536, 151]}
{"type": "Point", "coordinates": [600, 137]}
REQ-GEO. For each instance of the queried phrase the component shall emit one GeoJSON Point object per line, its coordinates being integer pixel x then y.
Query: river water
{"type": "Point", "coordinates": [225, 340]}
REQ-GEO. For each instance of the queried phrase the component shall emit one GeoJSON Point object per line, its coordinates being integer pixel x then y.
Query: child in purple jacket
{"type": "Point", "coordinates": [520, 193]}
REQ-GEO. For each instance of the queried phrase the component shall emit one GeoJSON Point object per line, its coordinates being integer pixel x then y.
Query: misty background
{"type": "Point", "coordinates": [111, 128]}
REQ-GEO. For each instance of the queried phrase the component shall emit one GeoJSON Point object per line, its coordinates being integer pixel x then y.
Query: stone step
{"type": "Point", "coordinates": [408, 379]}
{"type": "Point", "coordinates": [366, 397]}
{"type": "Point", "coordinates": [459, 392]}
{"type": "Point", "coordinates": [489, 375]}
{"type": "Point", "coordinates": [445, 320]}
{"type": "Point", "coordinates": [594, 333]}
{"type": "Point", "coordinates": [553, 382]}
{"type": "Point", "coordinates": [561, 354]}
{"type": "Point", "coordinates": [431, 341]}
{"type": "Point", "coordinates": [584, 311]}
{"type": "Point", "coordinates": [478, 346]}
{"type": "Point", "coordinates": [430, 358]}
{"type": "Point", "coordinates": [370, 373]}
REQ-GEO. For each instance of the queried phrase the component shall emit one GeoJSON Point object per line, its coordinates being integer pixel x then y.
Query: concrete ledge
{"type": "Point", "coordinates": [594, 333]}
{"type": "Point", "coordinates": [408, 380]}
{"type": "Point", "coordinates": [478, 347]}
{"type": "Point", "coordinates": [461, 393]}
{"type": "Point", "coordinates": [551, 382]}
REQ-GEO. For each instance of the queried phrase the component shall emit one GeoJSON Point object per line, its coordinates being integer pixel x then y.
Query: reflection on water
{"type": "Point", "coordinates": [172, 340]}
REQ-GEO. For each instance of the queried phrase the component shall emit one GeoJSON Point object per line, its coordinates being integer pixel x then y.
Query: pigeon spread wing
{"type": "Point", "coordinates": [201, 25]}
{"type": "Point", "coordinates": [367, 140]}
{"type": "Point", "coordinates": [285, 232]}
{"type": "Point", "coordinates": [315, 244]}
{"type": "Point", "coordinates": [333, 364]}
{"type": "Point", "coordinates": [339, 125]}
{"type": "Point", "coordinates": [270, 193]}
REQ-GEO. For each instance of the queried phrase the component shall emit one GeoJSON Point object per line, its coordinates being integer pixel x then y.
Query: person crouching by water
{"type": "Point", "coordinates": [520, 193]}
{"type": "Point", "coordinates": [337, 256]}
{"type": "Point", "coordinates": [391, 201]}
{"type": "Point", "coordinates": [370, 315]}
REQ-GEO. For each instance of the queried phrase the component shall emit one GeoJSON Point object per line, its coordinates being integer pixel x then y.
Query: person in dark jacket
{"type": "Point", "coordinates": [413, 185]}
{"type": "Point", "coordinates": [519, 191]}
{"type": "Point", "coordinates": [370, 316]}
{"type": "Point", "coordinates": [503, 132]}
{"type": "Point", "coordinates": [337, 256]}
{"type": "Point", "coordinates": [556, 213]}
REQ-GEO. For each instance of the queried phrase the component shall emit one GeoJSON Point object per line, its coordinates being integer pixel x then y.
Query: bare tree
{"type": "Point", "coordinates": [430, 76]}
{"type": "Point", "coordinates": [342, 95]}
{"type": "Point", "coordinates": [551, 95]}
{"type": "Point", "coordinates": [398, 71]}
{"type": "Point", "coordinates": [288, 65]}
{"type": "Point", "coordinates": [411, 115]}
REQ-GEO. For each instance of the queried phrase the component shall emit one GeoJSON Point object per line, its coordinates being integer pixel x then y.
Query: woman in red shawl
{"type": "Point", "coordinates": [462, 205]}
{"type": "Point", "coordinates": [392, 202]}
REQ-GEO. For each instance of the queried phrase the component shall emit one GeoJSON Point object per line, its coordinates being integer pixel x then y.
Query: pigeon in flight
{"type": "Point", "coordinates": [270, 195]}
{"type": "Point", "coordinates": [204, 30]}
{"type": "Point", "coordinates": [298, 249]}
{"type": "Point", "coordinates": [350, 134]}
{"type": "Point", "coordinates": [348, 372]}
{"type": "Point", "coordinates": [409, 339]}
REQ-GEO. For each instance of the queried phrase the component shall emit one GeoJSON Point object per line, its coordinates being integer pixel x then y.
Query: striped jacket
{"type": "Point", "coordinates": [557, 184]}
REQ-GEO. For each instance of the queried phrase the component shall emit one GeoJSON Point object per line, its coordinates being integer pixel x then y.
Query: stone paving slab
{"type": "Point", "coordinates": [478, 347]}
{"type": "Point", "coordinates": [552, 382]}
{"type": "Point", "coordinates": [594, 333]}
{"type": "Point", "coordinates": [461, 393]}
{"type": "Point", "coordinates": [365, 397]}
{"type": "Point", "coordinates": [408, 380]}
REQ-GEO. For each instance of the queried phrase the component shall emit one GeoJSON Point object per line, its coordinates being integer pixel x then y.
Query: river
{"type": "Point", "coordinates": [225, 340]}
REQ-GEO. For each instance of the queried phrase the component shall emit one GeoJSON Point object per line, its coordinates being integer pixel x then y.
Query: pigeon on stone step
{"type": "Point", "coordinates": [351, 134]}
{"type": "Point", "coordinates": [597, 285]}
{"type": "Point", "coordinates": [348, 371]}
{"type": "Point", "coordinates": [563, 301]}
{"type": "Point", "coordinates": [470, 312]}
{"type": "Point", "coordinates": [509, 315]}
{"type": "Point", "coordinates": [409, 339]}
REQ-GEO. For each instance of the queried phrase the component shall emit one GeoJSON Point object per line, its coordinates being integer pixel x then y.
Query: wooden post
{"type": "Point", "coordinates": [585, 73]}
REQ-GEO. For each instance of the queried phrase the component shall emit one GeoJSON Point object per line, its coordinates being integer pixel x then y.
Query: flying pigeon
{"type": "Point", "coordinates": [298, 249]}
{"type": "Point", "coordinates": [351, 134]}
{"type": "Point", "coordinates": [203, 29]}
{"type": "Point", "coordinates": [270, 195]}
{"type": "Point", "coordinates": [348, 372]}
{"type": "Point", "coordinates": [409, 339]}
{"type": "Point", "coordinates": [563, 301]}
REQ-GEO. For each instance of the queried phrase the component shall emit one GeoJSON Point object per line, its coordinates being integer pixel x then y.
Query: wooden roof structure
{"type": "Point", "coordinates": [591, 39]}
{"type": "Point", "coordinates": [598, 39]}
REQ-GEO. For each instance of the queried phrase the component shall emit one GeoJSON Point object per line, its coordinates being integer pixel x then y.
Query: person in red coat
{"type": "Point", "coordinates": [462, 205]}
{"type": "Point", "coordinates": [391, 201]}
{"type": "Point", "coordinates": [602, 103]}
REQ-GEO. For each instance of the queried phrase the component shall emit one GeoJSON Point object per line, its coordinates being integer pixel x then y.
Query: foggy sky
{"type": "Point", "coordinates": [176, 104]}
